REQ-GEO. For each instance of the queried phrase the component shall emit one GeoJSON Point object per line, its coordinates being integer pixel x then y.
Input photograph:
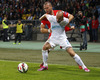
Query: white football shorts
{"type": "Point", "coordinates": [64, 43]}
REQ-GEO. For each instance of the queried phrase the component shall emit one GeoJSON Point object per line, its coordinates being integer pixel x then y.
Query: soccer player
{"type": "Point", "coordinates": [48, 9]}
{"type": "Point", "coordinates": [19, 31]}
{"type": "Point", "coordinates": [58, 37]}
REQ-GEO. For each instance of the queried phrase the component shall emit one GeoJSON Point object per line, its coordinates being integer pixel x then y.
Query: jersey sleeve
{"type": "Point", "coordinates": [66, 14]}
{"type": "Point", "coordinates": [43, 22]}
{"type": "Point", "coordinates": [67, 29]}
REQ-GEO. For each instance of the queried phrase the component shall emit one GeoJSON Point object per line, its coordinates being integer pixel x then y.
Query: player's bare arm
{"type": "Point", "coordinates": [43, 29]}
{"type": "Point", "coordinates": [71, 17]}
{"type": "Point", "coordinates": [71, 27]}
{"type": "Point", "coordinates": [42, 17]}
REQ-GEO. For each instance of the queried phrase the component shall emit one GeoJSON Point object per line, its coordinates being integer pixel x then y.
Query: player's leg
{"type": "Point", "coordinates": [48, 45]}
{"type": "Point", "coordinates": [67, 46]}
{"type": "Point", "coordinates": [4, 35]}
{"type": "Point", "coordinates": [42, 62]}
{"type": "Point", "coordinates": [48, 51]}
{"type": "Point", "coordinates": [16, 37]}
{"type": "Point", "coordinates": [19, 38]}
{"type": "Point", "coordinates": [84, 40]}
{"type": "Point", "coordinates": [45, 49]}
{"type": "Point", "coordinates": [77, 59]}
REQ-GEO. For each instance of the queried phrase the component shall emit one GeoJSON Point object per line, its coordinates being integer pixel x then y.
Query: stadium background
{"type": "Point", "coordinates": [30, 11]}
{"type": "Point", "coordinates": [29, 50]}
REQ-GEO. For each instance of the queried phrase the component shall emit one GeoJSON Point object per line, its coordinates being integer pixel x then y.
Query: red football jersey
{"type": "Point", "coordinates": [95, 24]}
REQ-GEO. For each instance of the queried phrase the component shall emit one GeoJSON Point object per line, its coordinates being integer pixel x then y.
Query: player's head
{"type": "Point", "coordinates": [47, 7]}
{"type": "Point", "coordinates": [19, 21]}
{"type": "Point", "coordinates": [80, 13]}
{"type": "Point", "coordinates": [59, 16]}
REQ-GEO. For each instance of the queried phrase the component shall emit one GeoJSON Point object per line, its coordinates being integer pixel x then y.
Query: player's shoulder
{"type": "Point", "coordinates": [65, 12]}
{"type": "Point", "coordinates": [44, 20]}
{"type": "Point", "coordinates": [51, 17]}
{"type": "Point", "coordinates": [55, 11]}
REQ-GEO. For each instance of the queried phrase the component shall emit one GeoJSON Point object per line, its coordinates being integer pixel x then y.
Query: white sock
{"type": "Point", "coordinates": [79, 61]}
{"type": "Point", "coordinates": [45, 57]}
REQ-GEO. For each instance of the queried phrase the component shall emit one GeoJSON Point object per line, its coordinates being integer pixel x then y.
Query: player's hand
{"type": "Point", "coordinates": [49, 30]}
{"type": "Point", "coordinates": [72, 27]}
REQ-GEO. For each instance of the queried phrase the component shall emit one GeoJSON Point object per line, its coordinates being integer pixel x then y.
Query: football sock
{"type": "Point", "coordinates": [79, 61]}
{"type": "Point", "coordinates": [45, 57]}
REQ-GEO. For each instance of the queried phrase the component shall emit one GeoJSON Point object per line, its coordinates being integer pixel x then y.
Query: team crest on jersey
{"type": "Point", "coordinates": [65, 13]}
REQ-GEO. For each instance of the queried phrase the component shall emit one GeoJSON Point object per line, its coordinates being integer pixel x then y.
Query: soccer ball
{"type": "Point", "coordinates": [22, 67]}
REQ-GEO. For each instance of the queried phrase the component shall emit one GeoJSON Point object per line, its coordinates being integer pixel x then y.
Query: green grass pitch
{"type": "Point", "coordinates": [61, 65]}
{"type": "Point", "coordinates": [8, 71]}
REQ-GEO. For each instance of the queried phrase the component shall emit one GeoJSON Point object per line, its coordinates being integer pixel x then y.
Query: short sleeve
{"type": "Point", "coordinates": [66, 14]}
{"type": "Point", "coordinates": [43, 22]}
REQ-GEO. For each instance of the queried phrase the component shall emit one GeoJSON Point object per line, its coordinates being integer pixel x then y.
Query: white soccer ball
{"type": "Point", "coordinates": [22, 67]}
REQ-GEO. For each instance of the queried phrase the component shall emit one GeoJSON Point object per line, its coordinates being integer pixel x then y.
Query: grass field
{"type": "Point", "coordinates": [9, 71]}
{"type": "Point", "coordinates": [61, 65]}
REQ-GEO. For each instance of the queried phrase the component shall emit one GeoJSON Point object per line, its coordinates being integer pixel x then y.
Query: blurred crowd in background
{"type": "Point", "coordinates": [33, 9]}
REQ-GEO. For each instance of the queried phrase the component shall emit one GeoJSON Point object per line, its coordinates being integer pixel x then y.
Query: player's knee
{"type": "Point", "coordinates": [71, 52]}
{"type": "Point", "coordinates": [46, 47]}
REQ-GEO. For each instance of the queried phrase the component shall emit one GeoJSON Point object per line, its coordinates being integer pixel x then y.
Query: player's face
{"type": "Point", "coordinates": [80, 14]}
{"type": "Point", "coordinates": [48, 8]}
{"type": "Point", "coordinates": [19, 21]}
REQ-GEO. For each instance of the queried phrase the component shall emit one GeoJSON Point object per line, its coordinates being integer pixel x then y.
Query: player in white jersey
{"type": "Point", "coordinates": [58, 37]}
